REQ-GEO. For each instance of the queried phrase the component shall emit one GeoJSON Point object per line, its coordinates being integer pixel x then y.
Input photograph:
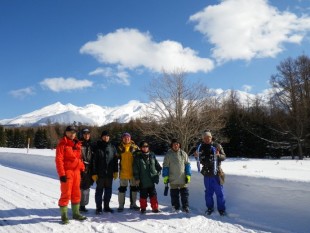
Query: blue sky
{"type": "Point", "coordinates": [106, 52]}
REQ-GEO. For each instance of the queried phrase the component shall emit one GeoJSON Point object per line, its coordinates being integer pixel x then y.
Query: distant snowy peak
{"type": "Point", "coordinates": [244, 98]}
{"type": "Point", "coordinates": [96, 115]}
{"type": "Point", "coordinates": [90, 114]}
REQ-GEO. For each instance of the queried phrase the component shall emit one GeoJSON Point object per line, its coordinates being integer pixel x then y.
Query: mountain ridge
{"type": "Point", "coordinates": [95, 115]}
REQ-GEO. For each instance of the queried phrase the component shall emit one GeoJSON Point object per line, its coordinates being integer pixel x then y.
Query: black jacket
{"type": "Point", "coordinates": [206, 156]}
{"type": "Point", "coordinates": [105, 161]}
{"type": "Point", "coordinates": [87, 156]}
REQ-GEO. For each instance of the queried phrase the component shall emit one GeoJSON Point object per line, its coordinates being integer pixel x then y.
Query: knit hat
{"type": "Point", "coordinates": [126, 135]}
{"type": "Point", "coordinates": [105, 133]}
{"type": "Point", "coordinates": [174, 140]}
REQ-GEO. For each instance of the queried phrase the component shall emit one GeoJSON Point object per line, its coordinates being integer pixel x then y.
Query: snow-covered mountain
{"type": "Point", "coordinates": [90, 114]}
{"type": "Point", "coordinates": [96, 115]}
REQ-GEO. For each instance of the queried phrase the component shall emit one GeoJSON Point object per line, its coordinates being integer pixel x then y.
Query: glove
{"type": "Point", "coordinates": [63, 179]}
{"type": "Point", "coordinates": [94, 177]}
{"type": "Point", "coordinates": [115, 175]}
{"type": "Point", "coordinates": [166, 179]}
{"type": "Point", "coordinates": [187, 179]}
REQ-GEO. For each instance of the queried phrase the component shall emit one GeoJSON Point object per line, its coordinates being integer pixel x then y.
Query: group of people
{"type": "Point", "coordinates": [80, 163]}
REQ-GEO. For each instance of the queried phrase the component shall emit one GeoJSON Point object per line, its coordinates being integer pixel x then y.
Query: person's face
{"type": "Point", "coordinates": [176, 146]}
{"type": "Point", "coordinates": [70, 134]}
{"type": "Point", "coordinates": [105, 138]}
{"type": "Point", "coordinates": [126, 139]}
{"type": "Point", "coordinates": [145, 149]}
{"type": "Point", "coordinates": [207, 139]}
{"type": "Point", "coordinates": [86, 136]}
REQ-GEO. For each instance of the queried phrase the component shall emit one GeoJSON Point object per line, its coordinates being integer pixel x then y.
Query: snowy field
{"type": "Point", "coordinates": [261, 196]}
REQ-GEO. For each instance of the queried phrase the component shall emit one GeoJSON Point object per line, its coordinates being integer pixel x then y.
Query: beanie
{"type": "Point", "coordinates": [104, 133]}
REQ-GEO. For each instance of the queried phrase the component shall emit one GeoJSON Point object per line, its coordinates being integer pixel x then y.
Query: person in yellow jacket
{"type": "Point", "coordinates": [125, 151]}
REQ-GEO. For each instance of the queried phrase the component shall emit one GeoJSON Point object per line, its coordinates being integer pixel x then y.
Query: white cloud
{"type": "Point", "coordinates": [114, 76]}
{"type": "Point", "coordinates": [22, 93]}
{"type": "Point", "coordinates": [246, 88]}
{"type": "Point", "coordinates": [65, 84]}
{"type": "Point", "coordinates": [132, 49]}
{"type": "Point", "coordinates": [243, 29]}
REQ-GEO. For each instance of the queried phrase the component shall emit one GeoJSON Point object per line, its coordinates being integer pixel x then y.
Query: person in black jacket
{"type": "Point", "coordinates": [105, 168]}
{"type": "Point", "coordinates": [86, 179]}
{"type": "Point", "coordinates": [211, 155]}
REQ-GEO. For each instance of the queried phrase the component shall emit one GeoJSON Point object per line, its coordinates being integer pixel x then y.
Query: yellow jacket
{"type": "Point", "coordinates": [125, 152]}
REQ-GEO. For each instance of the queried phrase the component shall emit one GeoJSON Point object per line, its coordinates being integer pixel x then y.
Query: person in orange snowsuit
{"type": "Point", "coordinates": [69, 166]}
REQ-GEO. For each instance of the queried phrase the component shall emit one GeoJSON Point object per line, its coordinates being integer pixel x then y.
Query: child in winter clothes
{"type": "Point", "coordinates": [177, 172]}
{"type": "Point", "coordinates": [146, 170]}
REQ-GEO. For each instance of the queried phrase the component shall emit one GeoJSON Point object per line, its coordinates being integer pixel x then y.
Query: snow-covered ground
{"type": "Point", "coordinates": [261, 196]}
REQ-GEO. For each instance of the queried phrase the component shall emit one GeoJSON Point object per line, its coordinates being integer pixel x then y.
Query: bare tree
{"type": "Point", "coordinates": [180, 109]}
{"type": "Point", "coordinates": [292, 99]}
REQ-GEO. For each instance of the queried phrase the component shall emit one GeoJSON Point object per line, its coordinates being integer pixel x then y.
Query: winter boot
{"type": "Point", "coordinates": [107, 208]}
{"type": "Point", "coordinates": [133, 199]}
{"type": "Point", "coordinates": [222, 212]}
{"type": "Point", "coordinates": [64, 214]}
{"type": "Point", "coordinates": [83, 209]}
{"type": "Point", "coordinates": [121, 201]}
{"type": "Point", "coordinates": [209, 211]}
{"type": "Point", "coordinates": [76, 213]}
{"type": "Point", "coordinates": [143, 205]}
{"type": "Point", "coordinates": [154, 204]}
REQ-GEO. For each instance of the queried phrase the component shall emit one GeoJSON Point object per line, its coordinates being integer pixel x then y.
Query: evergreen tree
{"type": "Point", "coordinates": [40, 139]}
{"type": "Point", "coordinates": [2, 137]}
{"type": "Point", "coordinates": [9, 138]}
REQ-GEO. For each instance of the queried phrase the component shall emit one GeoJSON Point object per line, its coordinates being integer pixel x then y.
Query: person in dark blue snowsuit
{"type": "Point", "coordinates": [211, 170]}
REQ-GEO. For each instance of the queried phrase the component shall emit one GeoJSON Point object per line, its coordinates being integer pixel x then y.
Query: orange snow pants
{"type": "Point", "coordinates": [70, 190]}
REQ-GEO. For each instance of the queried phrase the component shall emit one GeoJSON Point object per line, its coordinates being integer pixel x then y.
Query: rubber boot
{"type": "Point", "coordinates": [121, 201]}
{"type": "Point", "coordinates": [154, 204]}
{"type": "Point", "coordinates": [76, 212]}
{"type": "Point", "coordinates": [133, 199]}
{"type": "Point", "coordinates": [143, 205]}
{"type": "Point", "coordinates": [64, 214]}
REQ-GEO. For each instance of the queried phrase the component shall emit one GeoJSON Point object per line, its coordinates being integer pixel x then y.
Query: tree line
{"type": "Point", "coordinates": [182, 109]}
